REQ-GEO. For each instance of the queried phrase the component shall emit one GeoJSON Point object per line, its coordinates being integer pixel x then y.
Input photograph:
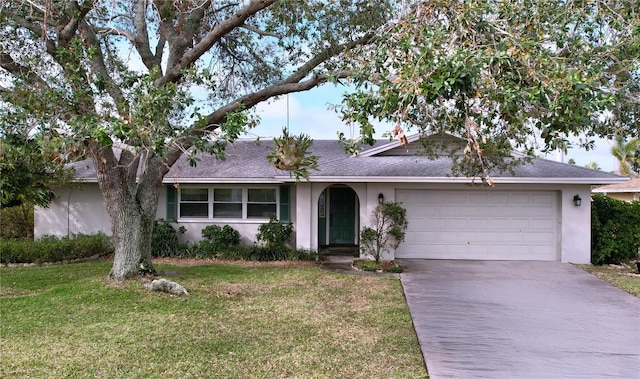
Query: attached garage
{"type": "Point", "coordinates": [481, 224]}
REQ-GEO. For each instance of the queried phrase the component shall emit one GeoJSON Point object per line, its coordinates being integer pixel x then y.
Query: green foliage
{"type": "Point", "coordinates": [54, 249]}
{"type": "Point", "coordinates": [216, 239]}
{"type": "Point", "coordinates": [16, 222]}
{"type": "Point", "coordinates": [221, 236]}
{"type": "Point", "coordinates": [386, 266]}
{"type": "Point", "coordinates": [275, 233]}
{"type": "Point", "coordinates": [30, 168]}
{"type": "Point", "coordinates": [393, 269]}
{"type": "Point", "coordinates": [510, 75]}
{"type": "Point", "coordinates": [627, 154]}
{"type": "Point", "coordinates": [615, 230]}
{"type": "Point", "coordinates": [389, 222]}
{"type": "Point", "coordinates": [593, 165]}
{"type": "Point", "coordinates": [265, 253]}
{"type": "Point", "coordinates": [164, 239]}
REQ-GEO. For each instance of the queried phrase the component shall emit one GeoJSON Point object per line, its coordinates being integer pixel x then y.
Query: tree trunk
{"type": "Point", "coordinates": [132, 239]}
{"type": "Point", "coordinates": [131, 200]}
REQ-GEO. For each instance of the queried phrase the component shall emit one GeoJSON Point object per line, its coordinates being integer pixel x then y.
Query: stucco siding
{"type": "Point", "coordinates": [193, 234]}
{"type": "Point", "coordinates": [78, 210]}
{"type": "Point", "coordinates": [81, 210]}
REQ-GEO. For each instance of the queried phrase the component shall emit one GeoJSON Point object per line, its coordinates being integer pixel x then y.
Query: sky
{"type": "Point", "coordinates": [309, 113]}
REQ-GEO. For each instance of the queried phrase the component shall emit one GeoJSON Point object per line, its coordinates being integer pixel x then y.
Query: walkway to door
{"type": "Point", "coordinates": [498, 319]}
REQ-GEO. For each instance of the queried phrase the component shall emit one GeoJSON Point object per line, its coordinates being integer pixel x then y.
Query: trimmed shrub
{"type": "Point", "coordinates": [389, 222]}
{"type": "Point", "coordinates": [215, 239]}
{"type": "Point", "coordinates": [221, 237]}
{"type": "Point", "coordinates": [274, 233]}
{"type": "Point", "coordinates": [54, 249]}
{"type": "Point", "coordinates": [615, 230]}
{"type": "Point", "coordinates": [164, 239]}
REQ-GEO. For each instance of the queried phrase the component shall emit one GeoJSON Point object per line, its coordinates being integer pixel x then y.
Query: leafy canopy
{"type": "Point", "coordinates": [30, 169]}
{"type": "Point", "coordinates": [158, 78]}
{"type": "Point", "coordinates": [504, 75]}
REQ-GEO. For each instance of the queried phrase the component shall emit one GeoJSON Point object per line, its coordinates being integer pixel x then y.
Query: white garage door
{"type": "Point", "coordinates": [480, 224]}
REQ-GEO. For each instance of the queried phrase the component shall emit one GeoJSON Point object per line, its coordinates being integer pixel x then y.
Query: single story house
{"type": "Point", "coordinates": [629, 191]}
{"type": "Point", "coordinates": [539, 212]}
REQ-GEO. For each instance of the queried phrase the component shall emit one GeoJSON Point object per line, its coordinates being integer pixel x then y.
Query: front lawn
{"type": "Point", "coordinates": [241, 321]}
{"type": "Point", "coordinates": [620, 276]}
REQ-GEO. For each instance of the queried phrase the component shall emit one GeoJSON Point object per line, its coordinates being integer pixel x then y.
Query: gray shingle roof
{"type": "Point", "coordinates": [246, 161]}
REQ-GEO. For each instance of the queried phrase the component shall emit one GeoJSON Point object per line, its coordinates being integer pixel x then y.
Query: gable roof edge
{"type": "Point", "coordinates": [388, 146]}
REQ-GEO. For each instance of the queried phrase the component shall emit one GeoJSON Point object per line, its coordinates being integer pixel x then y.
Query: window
{"type": "Point", "coordinates": [227, 203]}
{"type": "Point", "coordinates": [194, 202]}
{"type": "Point", "coordinates": [230, 203]}
{"type": "Point", "coordinates": [261, 203]}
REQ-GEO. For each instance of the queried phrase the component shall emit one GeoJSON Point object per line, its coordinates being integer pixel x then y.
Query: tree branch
{"type": "Point", "coordinates": [291, 84]}
{"type": "Point", "coordinates": [214, 36]}
{"type": "Point", "coordinates": [77, 13]}
{"type": "Point", "coordinates": [141, 39]}
{"type": "Point", "coordinates": [323, 56]}
{"type": "Point", "coordinates": [117, 32]}
{"type": "Point", "coordinates": [100, 69]}
{"type": "Point", "coordinates": [261, 32]}
{"type": "Point", "coordinates": [278, 89]}
{"type": "Point", "coordinates": [7, 63]}
{"type": "Point", "coordinates": [38, 31]}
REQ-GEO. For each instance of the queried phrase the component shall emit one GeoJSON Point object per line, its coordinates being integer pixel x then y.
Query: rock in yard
{"type": "Point", "coordinates": [164, 285]}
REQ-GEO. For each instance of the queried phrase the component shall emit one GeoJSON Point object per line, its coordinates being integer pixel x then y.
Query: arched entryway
{"type": "Point", "coordinates": [338, 217]}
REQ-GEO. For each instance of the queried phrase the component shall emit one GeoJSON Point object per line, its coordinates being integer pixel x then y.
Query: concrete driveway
{"type": "Point", "coordinates": [486, 319]}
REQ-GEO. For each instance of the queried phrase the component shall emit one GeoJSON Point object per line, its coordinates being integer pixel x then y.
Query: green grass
{"type": "Point", "coordinates": [618, 276]}
{"type": "Point", "coordinates": [241, 321]}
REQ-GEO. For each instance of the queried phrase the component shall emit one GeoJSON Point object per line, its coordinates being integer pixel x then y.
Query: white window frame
{"type": "Point", "coordinates": [180, 202]}
{"type": "Point", "coordinates": [245, 201]}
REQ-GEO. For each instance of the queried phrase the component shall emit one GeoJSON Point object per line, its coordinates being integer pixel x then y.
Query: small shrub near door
{"type": "Point", "coordinates": [615, 230]}
{"type": "Point", "coordinates": [388, 226]}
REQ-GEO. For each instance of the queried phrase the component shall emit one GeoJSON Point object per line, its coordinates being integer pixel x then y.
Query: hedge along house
{"type": "Point", "coordinates": [540, 212]}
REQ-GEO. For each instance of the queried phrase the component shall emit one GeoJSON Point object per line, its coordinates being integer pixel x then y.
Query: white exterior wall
{"type": "Point", "coordinates": [81, 210]}
{"type": "Point", "coordinates": [574, 229]}
{"type": "Point", "coordinates": [575, 236]}
{"type": "Point", "coordinates": [78, 210]}
{"type": "Point", "coordinates": [305, 213]}
{"type": "Point", "coordinates": [247, 229]}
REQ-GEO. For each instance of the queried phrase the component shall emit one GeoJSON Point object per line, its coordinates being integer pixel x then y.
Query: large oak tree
{"type": "Point", "coordinates": [136, 84]}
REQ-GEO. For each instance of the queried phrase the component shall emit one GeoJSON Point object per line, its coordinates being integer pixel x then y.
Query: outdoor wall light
{"type": "Point", "coordinates": [577, 201]}
{"type": "Point", "coordinates": [380, 198]}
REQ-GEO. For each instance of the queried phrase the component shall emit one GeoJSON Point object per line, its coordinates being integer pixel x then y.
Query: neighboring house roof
{"type": "Point", "coordinates": [246, 162]}
{"type": "Point", "coordinates": [630, 186]}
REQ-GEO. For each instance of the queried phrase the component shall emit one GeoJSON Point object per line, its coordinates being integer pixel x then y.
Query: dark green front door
{"type": "Point", "coordinates": [342, 216]}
